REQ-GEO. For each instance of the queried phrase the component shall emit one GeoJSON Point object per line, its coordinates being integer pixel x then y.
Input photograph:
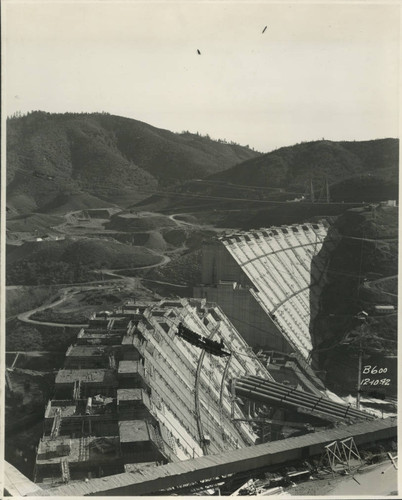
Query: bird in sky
{"type": "Point", "coordinates": [198, 52]}
{"type": "Point", "coordinates": [264, 29]}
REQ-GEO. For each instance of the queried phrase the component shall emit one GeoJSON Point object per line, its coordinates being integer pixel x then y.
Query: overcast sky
{"type": "Point", "coordinates": [318, 70]}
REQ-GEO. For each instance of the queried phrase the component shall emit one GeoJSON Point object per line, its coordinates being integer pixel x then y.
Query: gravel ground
{"type": "Point", "coordinates": [380, 480]}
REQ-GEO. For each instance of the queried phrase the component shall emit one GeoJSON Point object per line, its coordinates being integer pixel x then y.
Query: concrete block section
{"type": "Point", "coordinates": [138, 442]}
{"type": "Point", "coordinates": [131, 375]}
{"type": "Point", "coordinates": [134, 403]}
{"type": "Point", "coordinates": [133, 431]}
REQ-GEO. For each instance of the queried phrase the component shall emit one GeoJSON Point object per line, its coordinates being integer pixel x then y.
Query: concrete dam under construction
{"type": "Point", "coordinates": [202, 394]}
{"type": "Point", "coordinates": [269, 282]}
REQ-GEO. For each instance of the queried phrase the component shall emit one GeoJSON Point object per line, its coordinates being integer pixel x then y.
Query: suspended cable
{"type": "Point", "coordinates": [141, 190]}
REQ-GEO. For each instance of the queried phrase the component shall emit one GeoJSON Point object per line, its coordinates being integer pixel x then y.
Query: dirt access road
{"type": "Point", "coordinates": [76, 288]}
{"type": "Point", "coordinates": [67, 294]}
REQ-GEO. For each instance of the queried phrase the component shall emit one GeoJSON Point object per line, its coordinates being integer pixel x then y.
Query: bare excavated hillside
{"type": "Point", "coordinates": [50, 156]}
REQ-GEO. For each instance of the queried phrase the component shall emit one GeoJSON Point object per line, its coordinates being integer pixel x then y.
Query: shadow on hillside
{"type": "Point", "coordinates": [361, 276]}
{"type": "Point", "coordinates": [318, 279]}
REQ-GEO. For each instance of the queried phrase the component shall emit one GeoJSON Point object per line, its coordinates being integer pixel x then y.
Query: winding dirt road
{"type": "Point", "coordinates": [75, 288]}
{"type": "Point", "coordinates": [67, 294]}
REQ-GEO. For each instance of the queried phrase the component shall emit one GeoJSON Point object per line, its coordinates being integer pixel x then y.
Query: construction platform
{"type": "Point", "coordinates": [177, 475]}
{"type": "Point", "coordinates": [131, 378]}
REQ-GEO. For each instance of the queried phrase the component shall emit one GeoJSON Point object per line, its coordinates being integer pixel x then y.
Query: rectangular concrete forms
{"type": "Point", "coordinates": [139, 385]}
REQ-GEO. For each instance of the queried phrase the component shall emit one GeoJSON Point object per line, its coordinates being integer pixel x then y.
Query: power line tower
{"type": "Point", "coordinates": [328, 198]}
{"type": "Point", "coordinates": [324, 191]}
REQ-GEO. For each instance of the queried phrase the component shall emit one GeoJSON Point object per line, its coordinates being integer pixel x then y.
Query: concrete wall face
{"type": "Point", "coordinates": [235, 299]}
{"type": "Point", "coordinates": [282, 271]}
{"type": "Point", "coordinates": [218, 265]}
{"type": "Point", "coordinates": [247, 316]}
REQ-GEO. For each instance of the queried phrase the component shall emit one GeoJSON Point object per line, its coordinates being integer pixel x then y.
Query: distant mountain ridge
{"type": "Point", "coordinates": [292, 167]}
{"type": "Point", "coordinates": [49, 155]}
{"type": "Point", "coordinates": [61, 162]}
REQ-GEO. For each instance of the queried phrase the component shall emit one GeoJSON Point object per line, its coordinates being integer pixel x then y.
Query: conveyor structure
{"type": "Point", "coordinates": [275, 394]}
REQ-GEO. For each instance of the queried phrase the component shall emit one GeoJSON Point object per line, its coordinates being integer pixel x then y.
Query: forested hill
{"type": "Point", "coordinates": [293, 167]}
{"type": "Point", "coordinates": [87, 152]}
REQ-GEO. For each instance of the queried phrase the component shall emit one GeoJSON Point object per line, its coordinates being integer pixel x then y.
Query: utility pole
{"type": "Point", "coordinates": [352, 339]}
{"type": "Point", "coordinates": [362, 316]}
{"type": "Point", "coordinates": [359, 375]}
{"type": "Point", "coordinates": [327, 189]}
{"type": "Point", "coordinates": [311, 190]}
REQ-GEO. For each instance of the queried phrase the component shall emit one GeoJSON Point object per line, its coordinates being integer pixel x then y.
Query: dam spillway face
{"type": "Point", "coordinates": [269, 281]}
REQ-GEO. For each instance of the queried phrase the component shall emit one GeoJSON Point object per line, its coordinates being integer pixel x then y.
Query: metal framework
{"type": "Point", "coordinates": [333, 455]}
{"type": "Point", "coordinates": [350, 450]}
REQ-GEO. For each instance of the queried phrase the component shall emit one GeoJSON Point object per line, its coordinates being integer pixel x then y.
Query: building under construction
{"type": "Point", "coordinates": [177, 381]}
{"type": "Point", "coordinates": [135, 393]}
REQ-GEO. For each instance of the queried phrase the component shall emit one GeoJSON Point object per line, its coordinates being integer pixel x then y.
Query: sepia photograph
{"type": "Point", "coordinates": [199, 243]}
